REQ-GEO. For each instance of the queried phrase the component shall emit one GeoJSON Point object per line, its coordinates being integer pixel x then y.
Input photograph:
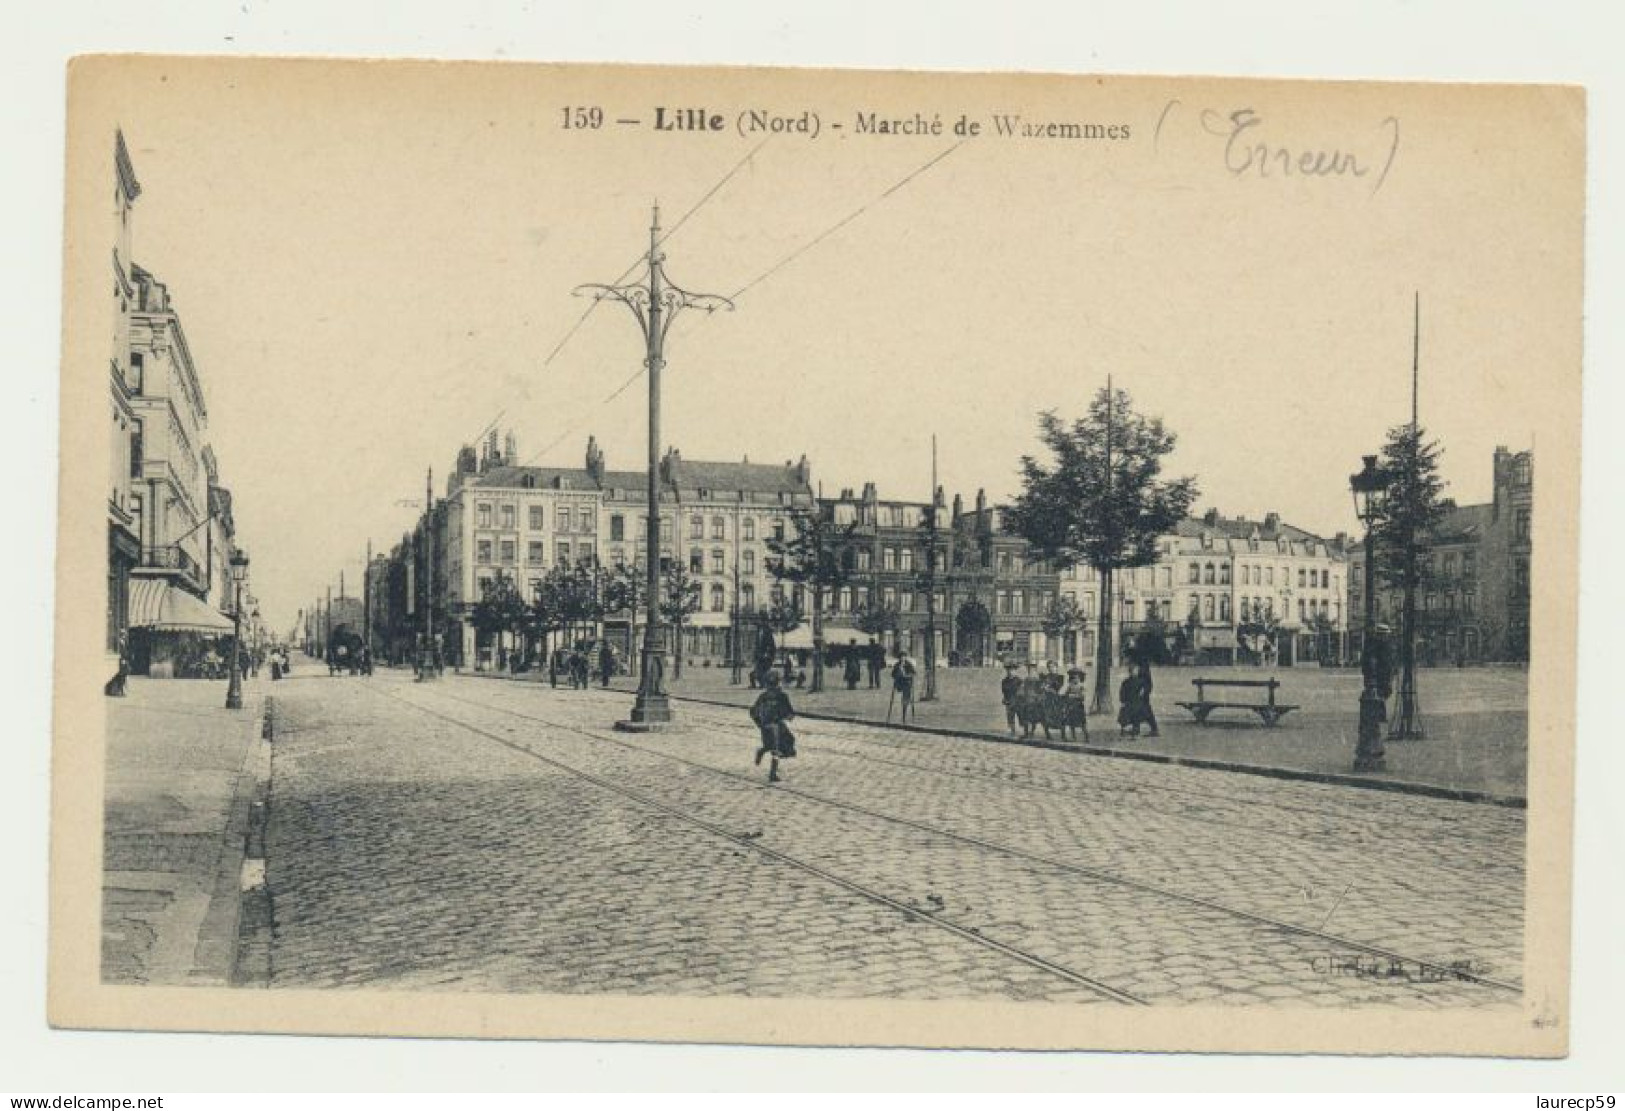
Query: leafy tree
{"type": "Point", "coordinates": [781, 617]}
{"type": "Point", "coordinates": [974, 622]}
{"type": "Point", "coordinates": [1403, 534]}
{"type": "Point", "coordinates": [1100, 501]}
{"type": "Point", "coordinates": [679, 600]}
{"type": "Point", "coordinates": [626, 590]}
{"type": "Point", "coordinates": [501, 609]}
{"type": "Point", "coordinates": [547, 614]}
{"type": "Point", "coordinates": [1064, 618]}
{"type": "Point", "coordinates": [877, 619]}
{"type": "Point", "coordinates": [812, 559]}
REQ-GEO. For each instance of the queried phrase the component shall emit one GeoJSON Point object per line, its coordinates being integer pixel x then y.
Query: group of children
{"type": "Point", "coordinates": [1045, 700]}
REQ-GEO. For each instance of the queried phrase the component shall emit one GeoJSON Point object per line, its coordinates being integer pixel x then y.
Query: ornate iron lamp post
{"type": "Point", "coordinates": [1370, 488]}
{"type": "Point", "coordinates": [654, 303]}
{"type": "Point", "coordinates": [234, 687]}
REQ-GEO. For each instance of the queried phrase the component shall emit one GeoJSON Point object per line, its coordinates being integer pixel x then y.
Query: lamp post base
{"type": "Point", "coordinates": [651, 710]}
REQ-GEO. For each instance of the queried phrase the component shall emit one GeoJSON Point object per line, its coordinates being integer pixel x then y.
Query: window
{"type": "Point", "coordinates": [508, 547]}
{"type": "Point", "coordinates": [1001, 602]}
{"type": "Point", "coordinates": [696, 561]}
{"type": "Point", "coordinates": [561, 553]}
{"type": "Point", "coordinates": [1302, 579]}
{"type": "Point", "coordinates": [1208, 574]}
{"type": "Point", "coordinates": [1469, 565]}
{"type": "Point", "coordinates": [717, 567]}
{"type": "Point", "coordinates": [748, 528]}
{"type": "Point", "coordinates": [863, 559]}
{"type": "Point", "coordinates": [1207, 607]}
{"type": "Point", "coordinates": [482, 515]}
{"type": "Point", "coordinates": [1089, 606]}
{"type": "Point", "coordinates": [1167, 577]}
{"type": "Point", "coordinates": [888, 559]}
{"type": "Point", "coordinates": [534, 554]}
{"type": "Point", "coordinates": [696, 528]}
{"type": "Point", "coordinates": [666, 528]}
{"type": "Point", "coordinates": [719, 528]}
{"type": "Point", "coordinates": [908, 559]}
{"type": "Point", "coordinates": [1520, 524]}
{"type": "Point", "coordinates": [1468, 601]}
{"type": "Point", "coordinates": [1018, 601]}
{"type": "Point", "coordinates": [1128, 609]}
{"type": "Point", "coordinates": [1244, 611]}
{"type": "Point", "coordinates": [506, 512]}
{"type": "Point", "coordinates": [905, 602]}
{"type": "Point", "coordinates": [586, 551]}
{"type": "Point", "coordinates": [1224, 607]}
{"type": "Point", "coordinates": [1195, 572]}
{"type": "Point", "coordinates": [482, 551]}
{"type": "Point", "coordinates": [843, 599]}
{"type": "Point", "coordinates": [561, 519]}
{"type": "Point", "coordinates": [750, 561]}
{"type": "Point", "coordinates": [1224, 574]}
{"type": "Point", "coordinates": [747, 596]}
{"type": "Point", "coordinates": [1428, 602]}
{"type": "Point", "coordinates": [778, 528]}
{"type": "Point", "coordinates": [537, 516]}
{"type": "Point", "coordinates": [716, 598]}
{"type": "Point", "coordinates": [1269, 576]}
{"type": "Point", "coordinates": [618, 555]}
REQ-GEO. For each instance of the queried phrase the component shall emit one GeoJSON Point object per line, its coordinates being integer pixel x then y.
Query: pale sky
{"type": "Point", "coordinates": [372, 263]}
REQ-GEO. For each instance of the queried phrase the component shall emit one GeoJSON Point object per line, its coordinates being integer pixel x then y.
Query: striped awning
{"type": "Point", "coordinates": [156, 604]}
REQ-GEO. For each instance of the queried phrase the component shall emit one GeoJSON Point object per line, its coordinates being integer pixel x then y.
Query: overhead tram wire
{"type": "Point", "coordinates": [804, 248]}
{"type": "Point", "coordinates": [639, 261]}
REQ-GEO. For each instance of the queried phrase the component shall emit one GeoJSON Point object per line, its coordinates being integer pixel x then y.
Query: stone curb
{"type": "Point", "coordinates": [1337, 779]}
{"type": "Point", "coordinates": [251, 957]}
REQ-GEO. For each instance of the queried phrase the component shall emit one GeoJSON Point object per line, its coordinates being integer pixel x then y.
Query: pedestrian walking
{"type": "Point", "coordinates": [771, 712]}
{"type": "Point", "coordinates": [1128, 693]}
{"type": "Point", "coordinates": [852, 666]}
{"type": "Point", "coordinates": [1054, 705]}
{"type": "Point", "coordinates": [606, 663]}
{"type": "Point", "coordinates": [1145, 714]}
{"type": "Point", "coordinates": [1010, 691]}
{"type": "Point", "coordinates": [902, 680]}
{"type": "Point", "coordinates": [1075, 709]}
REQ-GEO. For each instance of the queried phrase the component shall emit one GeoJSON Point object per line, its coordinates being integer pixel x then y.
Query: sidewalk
{"type": "Point", "coordinates": [182, 773]}
{"type": "Point", "coordinates": [1476, 719]}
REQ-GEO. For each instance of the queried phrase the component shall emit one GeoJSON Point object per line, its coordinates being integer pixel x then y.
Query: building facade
{"type": "Point", "coordinates": [1473, 605]}
{"type": "Point", "coordinates": [123, 532]}
{"type": "Point", "coordinates": [518, 522]}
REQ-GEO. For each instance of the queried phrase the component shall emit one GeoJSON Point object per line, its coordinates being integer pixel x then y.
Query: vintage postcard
{"type": "Point", "coordinates": [817, 557]}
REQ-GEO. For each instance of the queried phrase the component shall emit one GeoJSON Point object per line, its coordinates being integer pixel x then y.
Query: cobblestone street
{"type": "Point", "coordinates": [487, 835]}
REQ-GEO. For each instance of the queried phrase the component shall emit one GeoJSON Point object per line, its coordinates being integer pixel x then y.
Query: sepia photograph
{"type": "Point", "coordinates": [817, 557]}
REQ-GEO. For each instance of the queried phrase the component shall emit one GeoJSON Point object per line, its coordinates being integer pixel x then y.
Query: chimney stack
{"type": "Point", "coordinates": [510, 449]}
{"type": "Point", "coordinates": [1272, 522]}
{"type": "Point", "coordinates": [595, 459]}
{"type": "Point", "coordinates": [1211, 517]}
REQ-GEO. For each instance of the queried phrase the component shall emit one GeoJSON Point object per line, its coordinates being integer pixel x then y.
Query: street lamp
{"type": "Point", "coordinates": [239, 572]}
{"type": "Point", "coordinates": [1370, 490]}
{"type": "Point", "coordinates": [655, 303]}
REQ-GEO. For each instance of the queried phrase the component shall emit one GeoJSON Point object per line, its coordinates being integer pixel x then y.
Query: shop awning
{"type": "Point", "coordinates": [156, 604]}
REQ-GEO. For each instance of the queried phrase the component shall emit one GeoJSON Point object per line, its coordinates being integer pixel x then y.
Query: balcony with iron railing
{"type": "Point", "coordinates": [172, 557]}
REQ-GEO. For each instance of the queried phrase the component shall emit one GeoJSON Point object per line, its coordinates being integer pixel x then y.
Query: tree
{"type": "Point", "coordinates": [679, 600]}
{"type": "Point", "coordinates": [547, 612]}
{"type": "Point", "coordinates": [501, 609]}
{"type": "Point", "coordinates": [974, 622]}
{"type": "Point", "coordinates": [812, 559]}
{"type": "Point", "coordinates": [782, 617]}
{"type": "Point", "coordinates": [626, 591]}
{"type": "Point", "coordinates": [877, 619]}
{"type": "Point", "coordinates": [1402, 532]}
{"type": "Point", "coordinates": [1064, 618]}
{"type": "Point", "coordinates": [1100, 501]}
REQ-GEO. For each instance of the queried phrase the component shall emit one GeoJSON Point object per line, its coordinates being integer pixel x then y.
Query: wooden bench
{"type": "Point", "coordinates": [1269, 711]}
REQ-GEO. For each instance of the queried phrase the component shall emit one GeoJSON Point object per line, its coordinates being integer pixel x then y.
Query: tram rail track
{"type": "Point", "coordinates": [1032, 960]}
{"type": "Point", "coordinates": [1264, 921]}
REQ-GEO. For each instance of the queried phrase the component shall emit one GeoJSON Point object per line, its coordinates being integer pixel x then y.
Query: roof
{"type": "Point", "coordinates": [1465, 520]}
{"type": "Point", "coordinates": [748, 477]}
{"type": "Point", "coordinates": [1240, 528]}
{"type": "Point", "coordinates": [755, 478]}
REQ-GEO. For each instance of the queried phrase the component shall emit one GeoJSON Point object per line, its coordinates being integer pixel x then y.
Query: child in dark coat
{"type": "Point", "coordinates": [770, 713]}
